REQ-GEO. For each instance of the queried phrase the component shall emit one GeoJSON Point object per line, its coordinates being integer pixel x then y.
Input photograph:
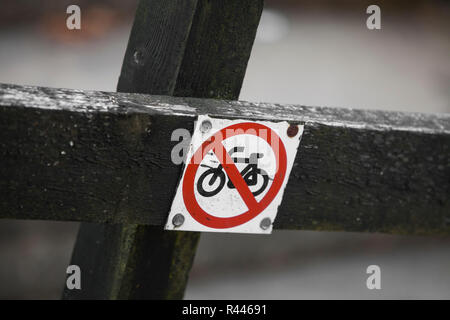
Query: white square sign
{"type": "Point", "coordinates": [235, 175]}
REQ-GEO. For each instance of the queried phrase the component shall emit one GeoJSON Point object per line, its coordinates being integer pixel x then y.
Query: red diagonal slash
{"type": "Point", "coordinates": [215, 144]}
{"type": "Point", "coordinates": [235, 176]}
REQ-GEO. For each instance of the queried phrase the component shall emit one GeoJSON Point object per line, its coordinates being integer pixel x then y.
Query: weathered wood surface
{"type": "Point", "coordinates": [131, 261]}
{"type": "Point", "coordinates": [105, 157]}
{"type": "Point", "coordinates": [193, 48]}
{"type": "Point", "coordinates": [190, 48]}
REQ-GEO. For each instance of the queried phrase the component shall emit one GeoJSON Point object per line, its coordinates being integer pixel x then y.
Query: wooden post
{"type": "Point", "coordinates": [196, 48]}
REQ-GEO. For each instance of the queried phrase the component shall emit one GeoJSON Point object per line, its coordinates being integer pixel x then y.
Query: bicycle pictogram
{"type": "Point", "coordinates": [250, 174]}
{"type": "Point", "coordinates": [234, 167]}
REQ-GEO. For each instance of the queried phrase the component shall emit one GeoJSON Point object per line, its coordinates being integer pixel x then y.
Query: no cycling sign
{"type": "Point", "coordinates": [235, 175]}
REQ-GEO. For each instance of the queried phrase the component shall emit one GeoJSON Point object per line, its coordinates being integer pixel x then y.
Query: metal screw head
{"type": "Point", "coordinates": [205, 126]}
{"type": "Point", "coordinates": [292, 130]}
{"type": "Point", "coordinates": [178, 220]}
{"type": "Point", "coordinates": [265, 223]}
{"type": "Point", "coordinates": [138, 57]}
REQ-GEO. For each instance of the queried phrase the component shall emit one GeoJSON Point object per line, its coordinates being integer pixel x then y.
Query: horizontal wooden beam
{"type": "Point", "coordinates": [106, 157]}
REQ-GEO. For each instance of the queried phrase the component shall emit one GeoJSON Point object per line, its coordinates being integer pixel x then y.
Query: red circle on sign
{"type": "Point", "coordinates": [254, 207]}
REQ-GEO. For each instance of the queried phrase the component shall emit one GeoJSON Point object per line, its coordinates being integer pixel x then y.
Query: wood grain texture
{"type": "Point", "coordinates": [156, 46]}
{"type": "Point", "coordinates": [167, 39]}
{"type": "Point", "coordinates": [190, 48]}
{"type": "Point", "coordinates": [218, 49]}
{"type": "Point", "coordinates": [356, 170]}
{"type": "Point", "coordinates": [131, 261]}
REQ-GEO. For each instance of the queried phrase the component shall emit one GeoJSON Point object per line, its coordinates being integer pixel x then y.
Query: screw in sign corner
{"type": "Point", "coordinates": [235, 176]}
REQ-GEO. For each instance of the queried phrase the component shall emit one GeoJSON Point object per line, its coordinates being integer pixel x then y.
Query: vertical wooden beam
{"type": "Point", "coordinates": [197, 48]}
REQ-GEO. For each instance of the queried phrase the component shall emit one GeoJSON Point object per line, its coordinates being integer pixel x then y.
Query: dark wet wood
{"type": "Point", "coordinates": [356, 170]}
{"type": "Point", "coordinates": [194, 48]}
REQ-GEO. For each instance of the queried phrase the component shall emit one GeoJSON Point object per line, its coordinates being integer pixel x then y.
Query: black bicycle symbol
{"type": "Point", "coordinates": [249, 173]}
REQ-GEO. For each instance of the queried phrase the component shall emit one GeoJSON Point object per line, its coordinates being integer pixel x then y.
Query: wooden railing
{"type": "Point", "coordinates": [105, 158]}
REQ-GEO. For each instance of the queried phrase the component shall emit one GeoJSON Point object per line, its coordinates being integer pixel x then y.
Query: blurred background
{"type": "Point", "coordinates": [317, 53]}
